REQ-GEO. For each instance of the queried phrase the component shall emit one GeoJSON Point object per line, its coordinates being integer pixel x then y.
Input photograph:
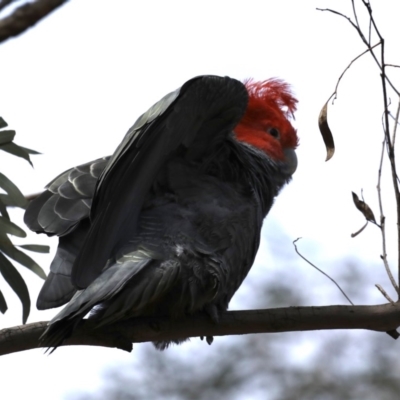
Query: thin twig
{"type": "Point", "coordinates": [388, 140]}
{"type": "Point", "coordinates": [355, 15]}
{"type": "Point", "coordinates": [392, 65]}
{"type": "Point", "coordinates": [396, 122]}
{"type": "Point", "coordinates": [340, 14]}
{"type": "Point", "coordinates": [364, 40]}
{"type": "Point", "coordinates": [318, 269]}
{"type": "Point", "coordinates": [345, 70]}
{"type": "Point", "coordinates": [369, 32]}
{"type": "Point", "coordinates": [385, 295]}
{"type": "Point", "coordinates": [389, 144]}
{"type": "Point", "coordinates": [353, 235]}
{"type": "Point", "coordinates": [391, 152]}
{"type": "Point", "coordinates": [382, 220]}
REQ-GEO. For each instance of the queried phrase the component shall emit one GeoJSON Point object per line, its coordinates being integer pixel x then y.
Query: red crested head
{"type": "Point", "coordinates": [265, 124]}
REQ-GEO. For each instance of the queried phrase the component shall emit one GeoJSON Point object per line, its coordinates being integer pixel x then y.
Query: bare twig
{"type": "Point", "coordinates": [340, 14]}
{"type": "Point", "coordinates": [26, 16]}
{"type": "Point", "coordinates": [388, 141]}
{"type": "Point", "coordinates": [322, 272]}
{"type": "Point", "coordinates": [369, 32]}
{"type": "Point", "coordinates": [365, 41]}
{"type": "Point", "coordinates": [385, 295]}
{"type": "Point", "coordinates": [396, 122]}
{"type": "Point", "coordinates": [353, 235]}
{"type": "Point", "coordinates": [389, 144]}
{"type": "Point", "coordinates": [355, 15]}
{"type": "Point", "coordinates": [351, 63]}
{"type": "Point", "coordinates": [382, 221]}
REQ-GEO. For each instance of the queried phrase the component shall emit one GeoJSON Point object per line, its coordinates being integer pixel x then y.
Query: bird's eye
{"type": "Point", "coordinates": [274, 132]}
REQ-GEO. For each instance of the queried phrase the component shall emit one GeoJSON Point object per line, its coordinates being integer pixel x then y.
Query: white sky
{"type": "Point", "coordinates": [74, 84]}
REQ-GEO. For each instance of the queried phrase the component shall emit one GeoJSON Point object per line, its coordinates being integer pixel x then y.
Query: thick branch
{"type": "Point", "coordinates": [26, 16]}
{"type": "Point", "coordinates": [5, 3]}
{"type": "Point", "coordinates": [383, 318]}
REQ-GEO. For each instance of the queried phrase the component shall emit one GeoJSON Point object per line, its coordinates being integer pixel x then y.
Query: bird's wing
{"type": "Point", "coordinates": [66, 200]}
{"type": "Point", "coordinates": [62, 208]}
{"type": "Point", "coordinates": [188, 121]}
{"type": "Point", "coordinates": [58, 288]}
{"type": "Point", "coordinates": [105, 287]}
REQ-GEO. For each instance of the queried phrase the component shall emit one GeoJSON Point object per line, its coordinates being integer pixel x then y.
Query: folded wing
{"type": "Point", "coordinates": [189, 122]}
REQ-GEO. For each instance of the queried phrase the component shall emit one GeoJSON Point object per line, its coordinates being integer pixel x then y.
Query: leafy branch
{"type": "Point", "coordinates": [14, 198]}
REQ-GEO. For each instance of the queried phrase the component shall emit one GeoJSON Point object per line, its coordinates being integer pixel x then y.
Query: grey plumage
{"type": "Point", "coordinates": [169, 224]}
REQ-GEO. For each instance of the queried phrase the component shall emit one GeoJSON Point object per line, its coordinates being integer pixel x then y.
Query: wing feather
{"type": "Point", "coordinates": [203, 111]}
{"type": "Point", "coordinates": [66, 201]}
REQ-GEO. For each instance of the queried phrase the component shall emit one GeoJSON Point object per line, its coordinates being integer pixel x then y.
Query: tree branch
{"type": "Point", "coordinates": [385, 317]}
{"type": "Point", "coordinates": [5, 3]}
{"type": "Point", "coordinates": [355, 26]}
{"type": "Point", "coordinates": [26, 16]}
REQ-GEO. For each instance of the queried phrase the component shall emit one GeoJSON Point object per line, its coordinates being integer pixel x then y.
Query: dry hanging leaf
{"type": "Point", "coordinates": [364, 208]}
{"type": "Point", "coordinates": [326, 132]}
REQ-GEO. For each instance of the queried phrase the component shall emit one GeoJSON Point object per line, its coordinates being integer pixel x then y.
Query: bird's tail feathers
{"type": "Point", "coordinates": [106, 286]}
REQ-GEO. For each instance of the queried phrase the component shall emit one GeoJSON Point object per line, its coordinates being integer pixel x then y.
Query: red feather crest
{"type": "Point", "coordinates": [273, 92]}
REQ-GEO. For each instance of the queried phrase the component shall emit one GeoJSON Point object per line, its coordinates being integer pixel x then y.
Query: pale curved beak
{"type": "Point", "coordinates": [291, 160]}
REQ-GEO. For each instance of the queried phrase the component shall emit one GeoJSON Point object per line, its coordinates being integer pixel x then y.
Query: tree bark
{"type": "Point", "coordinates": [383, 318]}
{"type": "Point", "coordinates": [25, 17]}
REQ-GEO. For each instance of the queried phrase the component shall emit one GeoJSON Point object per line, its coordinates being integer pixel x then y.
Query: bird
{"type": "Point", "coordinates": [170, 223]}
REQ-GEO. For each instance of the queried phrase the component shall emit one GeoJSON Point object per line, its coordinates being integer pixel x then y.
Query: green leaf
{"type": "Point", "coordinates": [11, 251]}
{"type": "Point", "coordinates": [3, 123]}
{"type": "Point", "coordinates": [3, 210]}
{"type": "Point", "coordinates": [8, 201]}
{"type": "Point", "coordinates": [6, 137]}
{"type": "Point", "coordinates": [16, 196]}
{"type": "Point", "coordinates": [37, 248]}
{"type": "Point", "coordinates": [30, 151]}
{"type": "Point", "coordinates": [16, 150]}
{"type": "Point", "coordinates": [3, 304]}
{"type": "Point", "coordinates": [6, 226]}
{"type": "Point", "coordinates": [14, 279]}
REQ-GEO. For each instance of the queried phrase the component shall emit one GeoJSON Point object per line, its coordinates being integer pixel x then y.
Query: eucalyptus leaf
{"type": "Point", "coordinates": [16, 150]}
{"type": "Point", "coordinates": [30, 151]}
{"type": "Point", "coordinates": [3, 304]}
{"type": "Point", "coordinates": [6, 200]}
{"type": "Point", "coordinates": [9, 202]}
{"type": "Point", "coordinates": [11, 251]}
{"type": "Point", "coordinates": [8, 227]}
{"type": "Point", "coordinates": [3, 210]}
{"type": "Point", "coordinates": [37, 248]}
{"type": "Point", "coordinates": [14, 279]}
{"type": "Point", "coordinates": [6, 137]}
{"type": "Point", "coordinates": [16, 196]}
{"type": "Point", "coordinates": [3, 123]}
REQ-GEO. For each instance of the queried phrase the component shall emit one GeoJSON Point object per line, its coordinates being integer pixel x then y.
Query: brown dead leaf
{"type": "Point", "coordinates": [326, 132]}
{"type": "Point", "coordinates": [364, 208]}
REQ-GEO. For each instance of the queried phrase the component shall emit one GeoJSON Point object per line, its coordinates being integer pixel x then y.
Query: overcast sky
{"type": "Point", "coordinates": [75, 83]}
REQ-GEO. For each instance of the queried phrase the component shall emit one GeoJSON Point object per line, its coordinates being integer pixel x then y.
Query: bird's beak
{"type": "Point", "coordinates": [291, 160]}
